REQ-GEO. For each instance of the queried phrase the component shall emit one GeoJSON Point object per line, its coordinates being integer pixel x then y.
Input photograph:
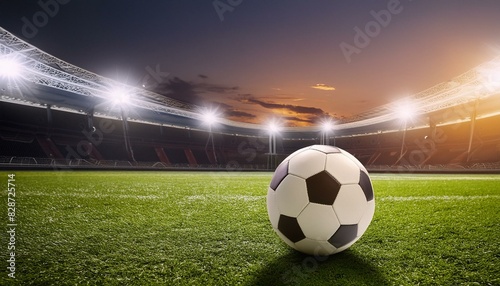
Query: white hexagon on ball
{"type": "Point", "coordinates": [307, 163]}
{"type": "Point", "coordinates": [273, 211]}
{"type": "Point", "coordinates": [315, 247]}
{"type": "Point", "coordinates": [350, 204]}
{"type": "Point", "coordinates": [354, 159]}
{"type": "Point", "coordinates": [342, 168]}
{"type": "Point", "coordinates": [290, 196]}
{"type": "Point", "coordinates": [327, 149]}
{"type": "Point", "coordinates": [366, 218]}
{"type": "Point", "coordinates": [318, 222]}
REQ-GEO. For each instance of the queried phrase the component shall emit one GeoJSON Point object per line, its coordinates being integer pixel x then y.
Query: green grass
{"type": "Point", "coordinates": [179, 228]}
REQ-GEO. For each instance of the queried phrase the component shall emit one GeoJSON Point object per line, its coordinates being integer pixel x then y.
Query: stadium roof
{"type": "Point", "coordinates": [47, 80]}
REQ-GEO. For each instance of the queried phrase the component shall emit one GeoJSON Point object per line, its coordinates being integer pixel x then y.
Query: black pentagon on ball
{"type": "Point", "coordinates": [344, 235]}
{"type": "Point", "coordinates": [289, 227]}
{"type": "Point", "coordinates": [366, 185]}
{"type": "Point", "coordinates": [279, 175]}
{"type": "Point", "coordinates": [322, 188]}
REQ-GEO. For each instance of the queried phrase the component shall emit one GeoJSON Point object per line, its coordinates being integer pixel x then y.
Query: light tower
{"type": "Point", "coordinates": [210, 118]}
{"type": "Point", "coordinates": [273, 128]}
{"type": "Point", "coordinates": [405, 112]}
{"type": "Point", "coordinates": [121, 98]}
{"type": "Point", "coordinates": [326, 128]}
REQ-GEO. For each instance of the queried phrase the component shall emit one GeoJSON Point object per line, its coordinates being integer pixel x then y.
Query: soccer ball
{"type": "Point", "coordinates": [320, 200]}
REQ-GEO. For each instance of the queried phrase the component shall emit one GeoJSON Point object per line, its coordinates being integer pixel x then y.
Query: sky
{"type": "Point", "coordinates": [299, 61]}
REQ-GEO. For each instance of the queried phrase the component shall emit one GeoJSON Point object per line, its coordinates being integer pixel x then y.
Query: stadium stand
{"type": "Point", "coordinates": [68, 142]}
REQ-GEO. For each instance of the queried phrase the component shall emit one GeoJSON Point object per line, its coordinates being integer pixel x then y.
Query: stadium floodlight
{"type": "Point", "coordinates": [326, 128]}
{"type": "Point", "coordinates": [120, 96]}
{"type": "Point", "coordinates": [273, 127]}
{"type": "Point", "coordinates": [327, 125]}
{"type": "Point", "coordinates": [405, 111]}
{"type": "Point", "coordinates": [210, 117]}
{"type": "Point", "coordinates": [492, 80]}
{"type": "Point", "coordinates": [10, 67]}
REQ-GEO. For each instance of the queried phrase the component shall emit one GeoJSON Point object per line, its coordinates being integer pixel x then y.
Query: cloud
{"type": "Point", "coordinates": [295, 120]}
{"type": "Point", "coordinates": [239, 106]}
{"type": "Point", "coordinates": [215, 88]}
{"type": "Point", "coordinates": [230, 112]}
{"type": "Point", "coordinates": [322, 86]}
{"type": "Point", "coordinates": [238, 114]}
{"type": "Point", "coordinates": [290, 107]}
{"type": "Point", "coordinates": [179, 89]}
{"type": "Point", "coordinates": [294, 115]}
{"type": "Point", "coordinates": [191, 92]}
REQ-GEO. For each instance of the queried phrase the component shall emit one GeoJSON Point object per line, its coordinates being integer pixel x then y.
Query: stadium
{"type": "Point", "coordinates": [81, 120]}
{"type": "Point", "coordinates": [117, 184]}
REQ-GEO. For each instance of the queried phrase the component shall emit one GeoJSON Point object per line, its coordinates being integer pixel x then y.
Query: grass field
{"type": "Point", "coordinates": [179, 228]}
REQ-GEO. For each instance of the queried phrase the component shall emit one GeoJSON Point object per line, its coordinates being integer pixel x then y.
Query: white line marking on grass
{"type": "Point", "coordinates": [94, 195]}
{"type": "Point", "coordinates": [224, 197]}
{"type": "Point", "coordinates": [217, 197]}
{"type": "Point", "coordinates": [437, 177]}
{"type": "Point", "coordinates": [436, 198]}
{"type": "Point", "coordinates": [232, 198]}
